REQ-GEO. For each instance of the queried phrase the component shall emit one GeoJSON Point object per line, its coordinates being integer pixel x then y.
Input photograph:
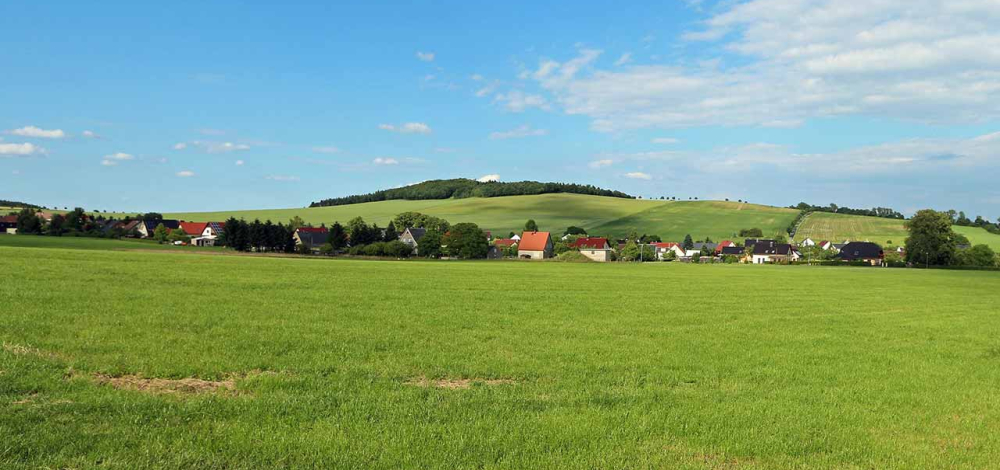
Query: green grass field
{"type": "Point", "coordinates": [359, 364]}
{"type": "Point", "coordinates": [87, 243]}
{"type": "Point", "coordinates": [839, 227]}
{"type": "Point", "coordinates": [553, 212]}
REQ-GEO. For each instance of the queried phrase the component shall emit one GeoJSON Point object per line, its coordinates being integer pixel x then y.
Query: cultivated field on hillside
{"type": "Point", "coordinates": [615, 217]}
{"type": "Point", "coordinates": [158, 360]}
{"type": "Point", "coordinates": [716, 219]}
{"type": "Point", "coordinates": [88, 243]}
{"type": "Point", "coordinates": [839, 227]}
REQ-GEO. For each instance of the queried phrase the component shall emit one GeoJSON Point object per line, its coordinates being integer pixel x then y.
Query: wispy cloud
{"type": "Point", "coordinates": [520, 132]}
{"type": "Point", "coordinates": [281, 178]}
{"type": "Point", "coordinates": [90, 135]}
{"type": "Point", "coordinates": [517, 101]}
{"type": "Point", "coordinates": [116, 158]}
{"type": "Point", "coordinates": [407, 128]}
{"type": "Point", "coordinates": [597, 164]}
{"type": "Point", "coordinates": [213, 147]}
{"type": "Point", "coordinates": [624, 59]}
{"type": "Point", "coordinates": [180, 146]}
{"type": "Point", "coordinates": [36, 132]}
{"type": "Point", "coordinates": [425, 56]}
{"type": "Point", "coordinates": [239, 162]}
{"type": "Point", "coordinates": [185, 174]}
{"type": "Point", "coordinates": [665, 140]}
{"type": "Point", "coordinates": [638, 175]}
{"type": "Point", "coordinates": [385, 161]}
{"type": "Point", "coordinates": [326, 149]}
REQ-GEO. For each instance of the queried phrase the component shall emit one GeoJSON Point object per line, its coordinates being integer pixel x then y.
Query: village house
{"type": "Point", "coordinates": [808, 242]}
{"type": "Point", "coordinates": [661, 249]}
{"type": "Point", "coordinates": [516, 237]}
{"type": "Point", "coordinates": [146, 229]}
{"type": "Point", "coordinates": [8, 224]}
{"type": "Point", "coordinates": [772, 252]}
{"type": "Point", "coordinates": [867, 252]}
{"type": "Point", "coordinates": [411, 236]}
{"type": "Point", "coordinates": [825, 245]}
{"type": "Point", "coordinates": [312, 237]}
{"type": "Point", "coordinates": [595, 248]}
{"type": "Point", "coordinates": [722, 245]}
{"type": "Point", "coordinates": [534, 245]}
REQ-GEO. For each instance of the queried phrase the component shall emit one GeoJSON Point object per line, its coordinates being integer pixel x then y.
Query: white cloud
{"type": "Point", "coordinates": [281, 178]}
{"type": "Point", "coordinates": [408, 128]}
{"type": "Point", "coordinates": [20, 150]}
{"type": "Point", "coordinates": [239, 162]}
{"type": "Point", "coordinates": [624, 59]}
{"type": "Point", "coordinates": [522, 131]}
{"type": "Point", "coordinates": [223, 147]}
{"type": "Point", "coordinates": [488, 178]}
{"type": "Point", "coordinates": [517, 101]}
{"type": "Point", "coordinates": [425, 56]}
{"type": "Point", "coordinates": [185, 174]}
{"type": "Point", "coordinates": [32, 131]}
{"type": "Point", "coordinates": [665, 140]}
{"type": "Point", "coordinates": [180, 146]}
{"type": "Point", "coordinates": [638, 175]}
{"type": "Point", "coordinates": [90, 135]}
{"type": "Point", "coordinates": [596, 164]}
{"type": "Point", "coordinates": [326, 149]}
{"type": "Point", "coordinates": [385, 161]}
{"type": "Point", "coordinates": [115, 158]}
{"type": "Point", "coordinates": [476, 77]}
{"type": "Point", "coordinates": [784, 62]}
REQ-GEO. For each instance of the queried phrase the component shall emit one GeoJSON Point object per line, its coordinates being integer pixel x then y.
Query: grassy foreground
{"type": "Point", "coordinates": [355, 364]}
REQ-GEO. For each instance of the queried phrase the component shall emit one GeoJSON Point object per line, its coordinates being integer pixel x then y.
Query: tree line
{"type": "Point", "coordinates": [883, 212]}
{"type": "Point", "coordinates": [933, 242]}
{"type": "Point", "coordinates": [465, 188]}
{"type": "Point", "coordinates": [18, 204]}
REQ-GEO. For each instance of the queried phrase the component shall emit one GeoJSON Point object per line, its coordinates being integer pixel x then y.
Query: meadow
{"type": "Point", "coordinates": [124, 359]}
{"type": "Point", "coordinates": [839, 227]}
{"type": "Point", "coordinates": [609, 216]}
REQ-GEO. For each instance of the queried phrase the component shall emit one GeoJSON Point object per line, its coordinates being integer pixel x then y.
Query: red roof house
{"type": "Point", "coordinates": [194, 229]}
{"type": "Point", "coordinates": [535, 245]}
{"type": "Point", "coordinates": [591, 243]}
{"type": "Point", "coordinates": [505, 242]}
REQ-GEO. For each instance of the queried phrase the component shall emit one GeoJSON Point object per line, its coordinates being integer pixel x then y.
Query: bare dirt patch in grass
{"type": "Point", "coordinates": [186, 386]}
{"type": "Point", "coordinates": [456, 384]}
{"type": "Point", "coordinates": [38, 399]}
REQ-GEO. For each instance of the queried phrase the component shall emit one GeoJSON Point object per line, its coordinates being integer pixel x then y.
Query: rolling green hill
{"type": "Point", "coordinates": [839, 227]}
{"type": "Point", "coordinates": [553, 212]}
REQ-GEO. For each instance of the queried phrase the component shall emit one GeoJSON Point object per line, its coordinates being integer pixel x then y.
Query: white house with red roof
{"type": "Point", "coordinates": [663, 248]}
{"type": "Point", "coordinates": [535, 245]}
{"type": "Point", "coordinates": [595, 248]}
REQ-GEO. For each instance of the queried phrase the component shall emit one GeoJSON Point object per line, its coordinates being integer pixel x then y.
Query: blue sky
{"type": "Point", "coordinates": [236, 105]}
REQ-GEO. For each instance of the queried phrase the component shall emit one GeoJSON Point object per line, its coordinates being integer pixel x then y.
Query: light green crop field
{"type": "Point", "coordinates": [839, 227]}
{"type": "Point", "coordinates": [87, 243]}
{"type": "Point", "coordinates": [553, 212]}
{"type": "Point", "coordinates": [359, 364]}
{"type": "Point", "coordinates": [716, 219]}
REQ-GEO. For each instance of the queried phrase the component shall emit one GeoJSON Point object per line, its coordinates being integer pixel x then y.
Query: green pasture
{"type": "Point", "coordinates": [839, 227]}
{"type": "Point", "coordinates": [88, 243]}
{"type": "Point", "coordinates": [517, 365]}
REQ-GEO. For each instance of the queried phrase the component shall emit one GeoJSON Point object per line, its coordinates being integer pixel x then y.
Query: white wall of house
{"type": "Point", "coordinates": [597, 255]}
{"type": "Point", "coordinates": [531, 254]}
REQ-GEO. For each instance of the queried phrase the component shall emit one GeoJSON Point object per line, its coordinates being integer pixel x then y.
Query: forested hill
{"type": "Point", "coordinates": [6, 203]}
{"type": "Point", "coordinates": [465, 188]}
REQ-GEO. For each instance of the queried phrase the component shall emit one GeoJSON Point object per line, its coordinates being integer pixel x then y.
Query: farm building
{"type": "Point", "coordinates": [723, 244]}
{"type": "Point", "coordinates": [825, 245]}
{"type": "Point", "coordinates": [868, 252]}
{"type": "Point", "coordinates": [535, 245]}
{"type": "Point", "coordinates": [595, 248]}
{"type": "Point", "coordinates": [312, 237]}
{"type": "Point", "coordinates": [732, 251]}
{"type": "Point", "coordinates": [808, 242]}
